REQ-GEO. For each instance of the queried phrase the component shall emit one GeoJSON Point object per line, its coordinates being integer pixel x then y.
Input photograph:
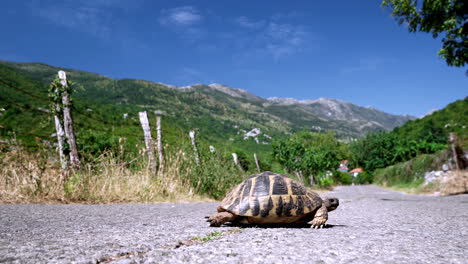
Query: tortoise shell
{"type": "Point", "coordinates": [270, 195]}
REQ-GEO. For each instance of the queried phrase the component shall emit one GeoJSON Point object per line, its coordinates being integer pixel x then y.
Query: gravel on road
{"type": "Point", "coordinates": [372, 225]}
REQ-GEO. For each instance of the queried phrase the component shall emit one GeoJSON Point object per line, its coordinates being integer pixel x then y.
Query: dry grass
{"type": "Point", "coordinates": [455, 183]}
{"type": "Point", "coordinates": [35, 178]}
{"type": "Point", "coordinates": [28, 178]}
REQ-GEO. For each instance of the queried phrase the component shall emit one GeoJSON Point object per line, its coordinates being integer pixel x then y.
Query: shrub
{"type": "Point", "coordinates": [326, 183]}
{"type": "Point", "coordinates": [364, 178]}
{"type": "Point", "coordinates": [244, 162]}
{"type": "Point", "coordinates": [265, 165]}
{"type": "Point", "coordinates": [342, 177]}
{"type": "Point", "coordinates": [310, 152]}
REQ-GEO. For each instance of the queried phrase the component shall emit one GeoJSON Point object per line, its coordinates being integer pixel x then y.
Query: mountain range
{"type": "Point", "coordinates": [218, 112]}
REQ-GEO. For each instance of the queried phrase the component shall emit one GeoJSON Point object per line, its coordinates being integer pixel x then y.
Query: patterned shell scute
{"type": "Point", "coordinates": [270, 194]}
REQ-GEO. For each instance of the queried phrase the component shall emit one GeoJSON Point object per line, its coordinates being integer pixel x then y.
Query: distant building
{"type": "Point", "coordinates": [356, 171]}
{"type": "Point", "coordinates": [343, 166]}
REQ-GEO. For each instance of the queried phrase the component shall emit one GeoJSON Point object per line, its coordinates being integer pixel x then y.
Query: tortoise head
{"type": "Point", "coordinates": [331, 203]}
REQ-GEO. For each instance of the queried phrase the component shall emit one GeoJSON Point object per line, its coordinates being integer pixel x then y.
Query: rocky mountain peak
{"type": "Point", "coordinates": [234, 92]}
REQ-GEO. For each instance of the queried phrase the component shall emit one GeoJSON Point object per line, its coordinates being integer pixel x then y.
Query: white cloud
{"type": "Point", "coordinates": [184, 21]}
{"type": "Point", "coordinates": [276, 37]}
{"type": "Point", "coordinates": [284, 31]}
{"type": "Point", "coordinates": [92, 17]}
{"type": "Point", "coordinates": [284, 39]}
{"type": "Point", "coordinates": [267, 38]}
{"type": "Point", "coordinates": [256, 38]}
{"type": "Point", "coordinates": [180, 16]}
{"type": "Point", "coordinates": [96, 17]}
{"type": "Point", "coordinates": [86, 19]}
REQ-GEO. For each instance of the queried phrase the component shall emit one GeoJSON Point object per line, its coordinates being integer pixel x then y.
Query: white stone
{"type": "Point", "coordinates": [252, 133]}
{"type": "Point", "coordinates": [445, 167]}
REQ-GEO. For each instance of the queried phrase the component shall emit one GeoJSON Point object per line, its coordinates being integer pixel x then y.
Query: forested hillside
{"type": "Point", "coordinates": [423, 136]}
{"type": "Point", "coordinates": [222, 115]}
{"type": "Point", "coordinates": [437, 125]}
{"type": "Point", "coordinates": [285, 134]}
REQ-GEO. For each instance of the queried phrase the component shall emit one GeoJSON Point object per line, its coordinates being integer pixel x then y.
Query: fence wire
{"type": "Point", "coordinates": [23, 91]}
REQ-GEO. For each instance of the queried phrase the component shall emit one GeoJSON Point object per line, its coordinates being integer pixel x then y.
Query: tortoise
{"type": "Point", "coordinates": [272, 198]}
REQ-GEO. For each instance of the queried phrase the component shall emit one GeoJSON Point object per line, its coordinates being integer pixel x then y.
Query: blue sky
{"type": "Point", "coordinates": [348, 50]}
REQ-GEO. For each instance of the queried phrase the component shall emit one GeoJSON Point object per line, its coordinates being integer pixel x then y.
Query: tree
{"type": "Point", "coordinates": [310, 153]}
{"type": "Point", "coordinates": [382, 149]}
{"type": "Point", "coordinates": [447, 17]}
{"type": "Point", "coordinates": [376, 150]}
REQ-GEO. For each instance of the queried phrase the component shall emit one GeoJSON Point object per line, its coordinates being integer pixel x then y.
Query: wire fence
{"type": "Point", "coordinates": [77, 110]}
{"type": "Point", "coordinates": [23, 91]}
{"type": "Point", "coordinates": [86, 120]}
{"type": "Point", "coordinates": [23, 107]}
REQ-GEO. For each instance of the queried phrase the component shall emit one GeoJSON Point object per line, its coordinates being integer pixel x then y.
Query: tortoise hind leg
{"type": "Point", "coordinates": [320, 218]}
{"type": "Point", "coordinates": [220, 218]}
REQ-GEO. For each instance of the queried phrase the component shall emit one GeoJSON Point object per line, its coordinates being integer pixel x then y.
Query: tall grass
{"type": "Point", "coordinates": [215, 174]}
{"type": "Point", "coordinates": [37, 177]}
{"type": "Point", "coordinates": [411, 173]}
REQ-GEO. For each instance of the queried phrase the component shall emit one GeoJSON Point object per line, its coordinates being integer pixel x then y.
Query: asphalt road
{"type": "Point", "coordinates": [372, 225]}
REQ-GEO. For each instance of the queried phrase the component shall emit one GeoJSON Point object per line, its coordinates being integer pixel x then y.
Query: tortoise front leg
{"type": "Point", "coordinates": [220, 218]}
{"type": "Point", "coordinates": [321, 216]}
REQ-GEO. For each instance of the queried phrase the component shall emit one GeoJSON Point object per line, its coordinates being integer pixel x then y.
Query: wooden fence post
{"type": "Point", "coordinates": [148, 141]}
{"type": "Point", "coordinates": [194, 144]}
{"type": "Point", "coordinates": [236, 161]}
{"type": "Point", "coordinates": [452, 139]}
{"type": "Point", "coordinates": [60, 138]}
{"type": "Point", "coordinates": [68, 121]}
{"type": "Point", "coordinates": [256, 162]}
{"type": "Point", "coordinates": [159, 141]}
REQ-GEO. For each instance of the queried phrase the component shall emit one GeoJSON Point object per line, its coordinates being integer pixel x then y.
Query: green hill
{"type": "Point", "coordinates": [436, 126]}
{"type": "Point", "coordinates": [105, 113]}
{"type": "Point", "coordinates": [423, 136]}
{"type": "Point", "coordinates": [106, 109]}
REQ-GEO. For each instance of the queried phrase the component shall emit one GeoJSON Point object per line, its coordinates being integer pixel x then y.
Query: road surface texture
{"type": "Point", "coordinates": [372, 225]}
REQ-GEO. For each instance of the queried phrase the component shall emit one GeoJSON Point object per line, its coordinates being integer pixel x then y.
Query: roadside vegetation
{"type": "Point", "coordinates": [410, 174]}
{"type": "Point", "coordinates": [115, 167]}
{"type": "Point", "coordinates": [37, 177]}
{"type": "Point", "coordinates": [115, 170]}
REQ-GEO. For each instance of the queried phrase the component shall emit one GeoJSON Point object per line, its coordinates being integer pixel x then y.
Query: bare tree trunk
{"type": "Point", "coordinates": [299, 176]}
{"type": "Point", "coordinates": [68, 122]}
{"type": "Point", "coordinates": [452, 139]}
{"type": "Point", "coordinates": [256, 162]}
{"type": "Point", "coordinates": [159, 141]}
{"type": "Point", "coordinates": [61, 141]}
{"type": "Point", "coordinates": [148, 141]}
{"type": "Point", "coordinates": [194, 144]}
{"type": "Point", "coordinates": [312, 180]}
